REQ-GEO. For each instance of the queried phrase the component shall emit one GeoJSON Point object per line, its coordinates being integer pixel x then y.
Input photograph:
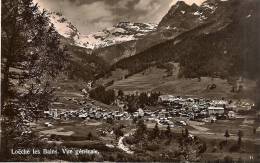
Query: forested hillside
{"type": "Point", "coordinates": [218, 48]}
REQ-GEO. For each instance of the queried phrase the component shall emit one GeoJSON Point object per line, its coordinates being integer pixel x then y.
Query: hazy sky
{"type": "Point", "coordinates": [94, 15]}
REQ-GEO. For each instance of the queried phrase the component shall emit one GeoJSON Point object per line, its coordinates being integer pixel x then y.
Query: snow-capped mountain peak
{"type": "Point", "coordinates": [122, 32]}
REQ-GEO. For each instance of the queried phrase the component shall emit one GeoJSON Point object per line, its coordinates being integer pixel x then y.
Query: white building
{"type": "Point", "coordinates": [219, 103]}
{"type": "Point", "coordinates": [167, 98]}
{"type": "Point", "coordinates": [52, 113]}
{"type": "Point", "coordinates": [140, 112]}
{"type": "Point", "coordinates": [215, 110]}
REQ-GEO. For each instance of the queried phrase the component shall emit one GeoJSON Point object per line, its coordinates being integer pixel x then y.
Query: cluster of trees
{"type": "Point", "coordinates": [140, 101]}
{"type": "Point", "coordinates": [101, 94]}
{"type": "Point", "coordinates": [156, 133]}
{"type": "Point", "coordinates": [148, 100]}
{"type": "Point", "coordinates": [152, 140]}
{"type": "Point", "coordinates": [118, 131]}
{"type": "Point", "coordinates": [188, 143]}
{"type": "Point", "coordinates": [143, 133]}
{"type": "Point", "coordinates": [134, 101]}
{"type": "Point", "coordinates": [31, 57]}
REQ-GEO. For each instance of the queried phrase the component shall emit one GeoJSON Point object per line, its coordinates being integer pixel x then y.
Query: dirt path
{"type": "Point", "coordinates": [121, 143]}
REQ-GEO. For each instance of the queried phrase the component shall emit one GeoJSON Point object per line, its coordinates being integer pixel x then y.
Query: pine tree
{"type": "Point", "coordinates": [156, 131]}
{"type": "Point", "coordinates": [31, 57]}
{"type": "Point", "coordinates": [186, 132]}
{"type": "Point", "coordinates": [240, 134]}
{"type": "Point", "coordinates": [168, 131]}
{"type": "Point", "coordinates": [90, 136]}
{"type": "Point", "coordinates": [120, 94]}
{"type": "Point", "coordinates": [143, 99]}
{"type": "Point", "coordinates": [227, 135]}
{"type": "Point", "coordinates": [254, 130]}
{"type": "Point", "coordinates": [141, 129]}
{"type": "Point", "coordinates": [31, 52]}
{"type": "Point", "coordinates": [131, 105]}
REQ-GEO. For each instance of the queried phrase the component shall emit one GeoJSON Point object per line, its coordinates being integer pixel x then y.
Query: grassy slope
{"type": "Point", "coordinates": [155, 79]}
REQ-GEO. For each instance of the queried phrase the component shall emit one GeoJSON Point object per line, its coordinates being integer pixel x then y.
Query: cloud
{"type": "Point", "coordinates": [86, 17]}
{"type": "Point", "coordinates": [124, 4]}
{"type": "Point", "coordinates": [145, 5]}
{"type": "Point", "coordinates": [153, 10]}
{"type": "Point", "coordinates": [94, 15]}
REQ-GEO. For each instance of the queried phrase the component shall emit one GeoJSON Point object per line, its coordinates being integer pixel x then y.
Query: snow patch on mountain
{"type": "Point", "coordinates": [196, 13]}
{"type": "Point", "coordinates": [122, 32]}
{"type": "Point", "coordinates": [248, 16]}
{"type": "Point", "coordinates": [209, 6]}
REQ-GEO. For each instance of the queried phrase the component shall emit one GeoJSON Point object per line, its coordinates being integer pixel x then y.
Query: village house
{"type": "Point", "coordinates": [53, 113]}
{"type": "Point", "coordinates": [219, 103]}
{"type": "Point", "coordinates": [215, 110]}
{"type": "Point", "coordinates": [245, 104]}
{"type": "Point", "coordinates": [166, 98]}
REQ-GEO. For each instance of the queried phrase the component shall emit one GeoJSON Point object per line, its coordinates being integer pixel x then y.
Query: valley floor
{"type": "Point", "coordinates": [98, 134]}
{"type": "Point", "coordinates": [74, 133]}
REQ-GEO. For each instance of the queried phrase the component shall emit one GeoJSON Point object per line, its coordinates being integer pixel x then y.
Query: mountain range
{"type": "Point", "coordinates": [218, 39]}
{"type": "Point", "coordinates": [119, 33]}
{"type": "Point", "coordinates": [222, 41]}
